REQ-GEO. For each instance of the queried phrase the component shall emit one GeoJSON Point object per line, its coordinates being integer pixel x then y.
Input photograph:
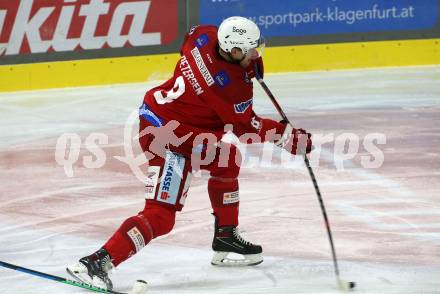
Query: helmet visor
{"type": "Point", "coordinates": [261, 45]}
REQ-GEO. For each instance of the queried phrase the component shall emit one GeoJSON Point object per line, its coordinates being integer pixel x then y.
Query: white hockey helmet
{"type": "Point", "coordinates": [239, 32]}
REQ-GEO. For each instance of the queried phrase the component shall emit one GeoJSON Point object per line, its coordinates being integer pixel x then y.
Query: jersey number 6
{"type": "Point", "coordinates": [171, 95]}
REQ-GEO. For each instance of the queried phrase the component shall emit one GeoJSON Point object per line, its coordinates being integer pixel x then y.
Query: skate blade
{"type": "Point", "coordinates": [79, 276]}
{"type": "Point", "coordinates": [222, 259]}
{"type": "Point", "coordinates": [85, 278]}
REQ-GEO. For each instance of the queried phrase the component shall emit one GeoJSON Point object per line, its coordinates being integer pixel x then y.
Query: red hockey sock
{"type": "Point", "coordinates": [223, 194]}
{"type": "Point", "coordinates": [137, 231]}
{"type": "Point", "coordinates": [134, 233]}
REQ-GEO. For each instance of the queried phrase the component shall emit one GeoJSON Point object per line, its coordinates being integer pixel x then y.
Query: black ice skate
{"type": "Point", "coordinates": [228, 240]}
{"type": "Point", "coordinates": [93, 269]}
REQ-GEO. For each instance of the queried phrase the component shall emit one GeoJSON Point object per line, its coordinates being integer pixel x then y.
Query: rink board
{"type": "Point", "coordinates": [277, 59]}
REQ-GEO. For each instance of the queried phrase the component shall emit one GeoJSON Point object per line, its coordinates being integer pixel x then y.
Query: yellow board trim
{"type": "Point", "coordinates": [86, 72]}
{"type": "Point", "coordinates": [277, 59]}
{"type": "Point", "coordinates": [353, 55]}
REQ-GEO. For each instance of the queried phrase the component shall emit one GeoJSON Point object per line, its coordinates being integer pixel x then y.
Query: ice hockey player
{"type": "Point", "coordinates": [211, 87]}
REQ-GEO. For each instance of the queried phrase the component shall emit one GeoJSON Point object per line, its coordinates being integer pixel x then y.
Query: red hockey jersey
{"type": "Point", "coordinates": [206, 92]}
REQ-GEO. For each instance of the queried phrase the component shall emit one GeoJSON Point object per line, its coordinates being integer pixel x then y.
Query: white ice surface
{"type": "Point", "coordinates": [173, 269]}
{"type": "Point", "coordinates": [385, 249]}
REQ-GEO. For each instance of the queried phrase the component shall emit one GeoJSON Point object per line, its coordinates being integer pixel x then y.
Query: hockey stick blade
{"type": "Point", "coordinates": [57, 278]}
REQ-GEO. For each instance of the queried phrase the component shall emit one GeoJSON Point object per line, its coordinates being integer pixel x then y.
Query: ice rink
{"type": "Point", "coordinates": [385, 219]}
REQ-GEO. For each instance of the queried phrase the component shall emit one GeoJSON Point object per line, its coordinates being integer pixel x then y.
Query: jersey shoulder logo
{"type": "Point", "coordinates": [222, 79]}
{"type": "Point", "coordinates": [201, 41]}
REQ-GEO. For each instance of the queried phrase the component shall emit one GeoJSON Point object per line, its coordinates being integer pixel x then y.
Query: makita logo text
{"type": "Point", "coordinates": [239, 31]}
{"type": "Point", "coordinates": [30, 26]}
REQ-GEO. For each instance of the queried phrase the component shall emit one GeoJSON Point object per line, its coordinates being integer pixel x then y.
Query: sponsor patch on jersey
{"type": "Point", "coordinates": [241, 107]}
{"type": "Point", "coordinates": [202, 66]}
{"type": "Point", "coordinates": [231, 197]}
{"type": "Point", "coordinates": [209, 58]}
{"type": "Point", "coordinates": [171, 178]}
{"type": "Point", "coordinates": [201, 41]}
{"type": "Point", "coordinates": [222, 79]}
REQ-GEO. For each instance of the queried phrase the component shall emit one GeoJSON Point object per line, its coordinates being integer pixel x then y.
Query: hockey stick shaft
{"type": "Point", "coordinates": [310, 170]}
{"type": "Point", "coordinates": [56, 278]}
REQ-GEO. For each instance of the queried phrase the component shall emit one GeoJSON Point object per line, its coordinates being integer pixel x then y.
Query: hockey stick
{"type": "Point", "coordinates": [343, 285]}
{"type": "Point", "coordinates": [58, 279]}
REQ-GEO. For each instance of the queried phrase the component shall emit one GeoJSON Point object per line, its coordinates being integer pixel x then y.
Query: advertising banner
{"type": "Point", "coordinates": [30, 27]}
{"type": "Point", "coordinates": [281, 18]}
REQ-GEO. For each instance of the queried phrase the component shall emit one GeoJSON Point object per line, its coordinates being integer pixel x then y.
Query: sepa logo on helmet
{"type": "Point", "coordinates": [238, 30]}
